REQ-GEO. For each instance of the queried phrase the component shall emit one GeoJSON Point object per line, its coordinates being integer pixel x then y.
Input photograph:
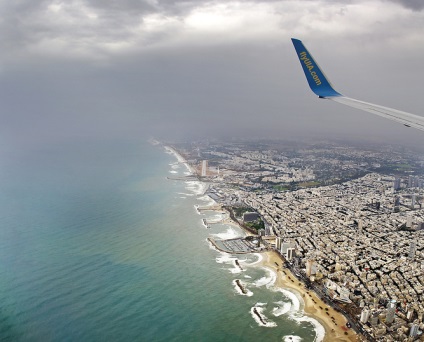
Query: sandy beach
{"type": "Point", "coordinates": [180, 158]}
{"type": "Point", "coordinates": [333, 322]}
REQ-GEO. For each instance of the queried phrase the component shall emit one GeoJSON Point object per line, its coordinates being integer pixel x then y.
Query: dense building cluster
{"type": "Point", "coordinates": [350, 218]}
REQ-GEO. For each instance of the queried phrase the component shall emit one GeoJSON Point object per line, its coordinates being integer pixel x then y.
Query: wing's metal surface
{"type": "Point", "coordinates": [322, 87]}
{"type": "Point", "coordinates": [408, 119]}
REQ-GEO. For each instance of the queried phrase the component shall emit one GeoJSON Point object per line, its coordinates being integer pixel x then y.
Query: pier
{"type": "Point", "coordinates": [184, 178]}
{"type": "Point", "coordinates": [217, 207]}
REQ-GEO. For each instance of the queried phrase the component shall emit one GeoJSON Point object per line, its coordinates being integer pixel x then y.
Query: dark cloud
{"type": "Point", "coordinates": [416, 5]}
{"type": "Point", "coordinates": [72, 70]}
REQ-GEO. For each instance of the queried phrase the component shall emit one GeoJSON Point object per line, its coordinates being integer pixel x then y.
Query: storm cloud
{"type": "Point", "coordinates": [89, 68]}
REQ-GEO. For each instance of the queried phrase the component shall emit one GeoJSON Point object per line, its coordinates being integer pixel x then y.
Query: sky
{"type": "Point", "coordinates": [129, 69]}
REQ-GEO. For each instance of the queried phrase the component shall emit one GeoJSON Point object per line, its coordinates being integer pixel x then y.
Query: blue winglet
{"type": "Point", "coordinates": [316, 78]}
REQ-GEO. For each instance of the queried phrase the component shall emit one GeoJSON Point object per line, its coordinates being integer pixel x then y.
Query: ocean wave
{"type": "Point", "coordinates": [319, 329]}
{"type": "Point", "coordinates": [292, 338]}
{"type": "Point", "coordinates": [196, 187]}
{"type": "Point", "coordinates": [260, 304]}
{"type": "Point", "coordinates": [230, 233]}
{"type": "Point", "coordinates": [172, 171]}
{"type": "Point", "coordinates": [281, 309]}
{"type": "Point", "coordinates": [235, 270]}
{"type": "Point", "coordinates": [170, 150]}
{"type": "Point", "coordinates": [295, 301]}
{"type": "Point", "coordinates": [225, 258]}
{"type": "Point", "coordinates": [268, 280]}
{"type": "Point", "coordinates": [259, 256]}
{"type": "Point", "coordinates": [260, 318]}
{"type": "Point", "coordinates": [209, 201]}
{"type": "Point", "coordinates": [216, 217]}
{"type": "Point", "coordinates": [185, 194]}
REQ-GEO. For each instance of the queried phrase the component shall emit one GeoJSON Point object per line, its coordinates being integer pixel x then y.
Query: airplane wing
{"type": "Point", "coordinates": [322, 87]}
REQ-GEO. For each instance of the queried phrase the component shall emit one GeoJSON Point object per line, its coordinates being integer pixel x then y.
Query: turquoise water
{"type": "Point", "coordinates": [97, 245]}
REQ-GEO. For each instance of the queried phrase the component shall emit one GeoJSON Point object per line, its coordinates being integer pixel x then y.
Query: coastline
{"type": "Point", "coordinates": [314, 307]}
{"type": "Point", "coordinates": [179, 158]}
{"type": "Point", "coordinates": [333, 322]}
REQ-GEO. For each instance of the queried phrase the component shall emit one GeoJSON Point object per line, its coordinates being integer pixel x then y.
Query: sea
{"type": "Point", "coordinates": [97, 243]}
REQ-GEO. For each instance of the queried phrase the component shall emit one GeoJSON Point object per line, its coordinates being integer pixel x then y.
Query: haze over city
{"type": "Point", "coordinates": [125, 69]}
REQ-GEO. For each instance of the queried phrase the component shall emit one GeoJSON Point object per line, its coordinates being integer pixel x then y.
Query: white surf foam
{"type": "Point", "coordinates": [268, 323]}
{"type": "Point", "coordinates": [247, 276]}
{"type": "Point", "coordinates": [319, 329]}
{"type": "Point", "coordinates": [281, 309]}
{"type": "Point", "coordinates": [196, 187]}
{"type": "Point", "coordinates": [268, 280]}
{"type": "Point", "coordinates": [295, 301]}
{"type": "Point", "coordinates": [170, 150]}
{"type": "Point", "coordinates": [225, 258]}
{"type": "Point", "coordinates": [292, 338]}
{"type": "Point", "coordinates": [215, 217]}
{"type": "Point", "coordinates": [185, 194]}
{"type": "Point", "coordinates": [260, 258]}
{"type": "Point", "coordinates": [230, 233]}
{"type": "Point", "coordinates": [235, 270]}
{"type": "Point", "coordinates": [172, 171]}
{"type": "Point", "coordinates": [209, 201]}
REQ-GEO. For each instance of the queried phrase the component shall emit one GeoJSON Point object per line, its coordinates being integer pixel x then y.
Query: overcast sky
{"type": "Point", "coordinates": [80, 69]}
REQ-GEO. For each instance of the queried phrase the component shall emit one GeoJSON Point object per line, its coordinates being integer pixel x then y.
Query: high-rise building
{"type": "Point", "coordinates": [360, 225]}
{"type": "Point", "coordinates": [365, 314]}
{"type": "Point", "coordinates": [311, 267]}
{"type": "Point", "coordinates": [290, 253]}
{"type": "Point", "coordinates": [410, 181]}
{"type": "Point", "coordinates": [204, 170]}
{"type": "Point", "coordinates": [413, 201]}
{"type": "Point", "coordinates": [412, 250]}
{"type": "Point", "coordinates": [414, 330]}
{"type": "Point", "coordinates": [390, 314]}
{"type": "Point", "coordinates": [278, 242]}
{"type": "Point", "coordinates": [374, 319]}
{"type": "Point", "coordinates": [285, 246]}
{"type": "Point", "coordinates": [409, 221]}
{"type": "Point", "coordinates": [410, 314]}
{"type": "Point", "coordinates": [396, 183]}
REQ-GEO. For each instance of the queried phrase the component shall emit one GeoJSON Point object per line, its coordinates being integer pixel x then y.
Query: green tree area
{"type": "Point", "coordinates": [281, 187]}
{"type": "Point", "coordinates": [309, 184]}
{"type": "Point", "coordinates": [239, 211]}
{"type": "Point", "coordinates": [258, 224]}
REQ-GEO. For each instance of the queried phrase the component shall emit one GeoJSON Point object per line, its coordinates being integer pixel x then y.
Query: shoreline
{"type": "Point", "coordinates": [180, 158]}
{"type": "Point", "coordinates": [333, 322]}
